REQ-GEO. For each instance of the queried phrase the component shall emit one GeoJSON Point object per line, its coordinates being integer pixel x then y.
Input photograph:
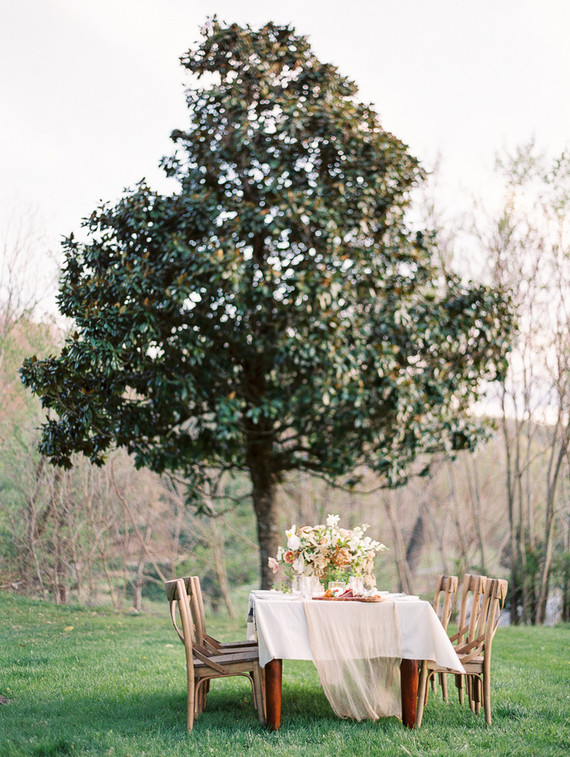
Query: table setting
{"type": "Point", "coordinates": [364, 642]}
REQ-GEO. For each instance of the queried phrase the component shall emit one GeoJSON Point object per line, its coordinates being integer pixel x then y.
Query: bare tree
{"type": "Point", "coordinates": [27, 272]}
{"type": "Point", "coordinates": [529, 249]}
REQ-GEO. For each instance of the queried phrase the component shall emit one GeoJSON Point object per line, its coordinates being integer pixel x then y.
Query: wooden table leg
{"type": "Point", "coordinates": [273, 677]}
{"type": "Point", "coordinates": [409, 683]}
{"type": "Point", "coordinates": [273, 682]}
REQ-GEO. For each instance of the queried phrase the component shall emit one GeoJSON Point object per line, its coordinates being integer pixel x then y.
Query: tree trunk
{"type": "Point", "coordinates": [212, 530]}
{"type": "Point", "coordinates": [516, 578]}
{"type": "Point", "coordinates": [140, 579]}
{"type": "Point", "coordinates": [549, 533]}
{"type": "Point", "coordinates": [264, 481]}
{"type": "Point", "coordinates": [475, 508]}
{"type": "Point", "coordinates": [404, 574]}
{"type": "Point", "coordinates": [218, 553]}
{"type": "Point", "coordinates": [416, 542]}
{"type": "Point", "coordinates": [31, 531]}
{"type": "Point", "coordinates": [459, 530]}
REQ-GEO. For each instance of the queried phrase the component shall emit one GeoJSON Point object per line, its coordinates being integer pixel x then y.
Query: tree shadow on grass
{"type": "Point", "coordinates": [65, 725]}
{"type": "Point", "coordinates": [134, 722]}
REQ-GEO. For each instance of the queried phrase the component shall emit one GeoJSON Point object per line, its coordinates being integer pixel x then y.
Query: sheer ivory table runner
{"type": "Point", "coordinates": [356, 646]}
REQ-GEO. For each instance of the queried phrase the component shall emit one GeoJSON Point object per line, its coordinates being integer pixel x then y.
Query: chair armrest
{"type": "Point", "coordinates": [215, 644]}
{"type": "Point", "coordinates": [202, 654]}
{"type": "Point", "coordinates": [460, 633]}
{"type": "Point", "coordinates": [475, 648]}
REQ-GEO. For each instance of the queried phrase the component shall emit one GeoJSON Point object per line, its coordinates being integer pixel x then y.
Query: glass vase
{"type": "Point", "coordinates": [356, 584]}
{"type": "Point", "coordinates": [337, 586]}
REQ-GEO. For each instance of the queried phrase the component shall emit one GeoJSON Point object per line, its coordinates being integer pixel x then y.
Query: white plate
{"type": "Point", "coordinates": [407, 598]}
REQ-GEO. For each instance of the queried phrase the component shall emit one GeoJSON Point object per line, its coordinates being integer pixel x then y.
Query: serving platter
{"type": "Point", "coordinates": [351, 599]}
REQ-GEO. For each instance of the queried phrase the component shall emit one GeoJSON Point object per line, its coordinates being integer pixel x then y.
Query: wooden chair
{"type": "Point", "coordinates": [444, 604]}
{"type": "Point", "coordinates": [472, 592]}
{"type": "Point", "coordinates": [476, 654]}
{"type": "Point", "coordinates": [204, 638]}
{"type": "Point", "coordinates": [202, 665]}
{"type": "Point", "coordinates": [199, 618]}
{"type": "Point", "coordinates": [474, 645]}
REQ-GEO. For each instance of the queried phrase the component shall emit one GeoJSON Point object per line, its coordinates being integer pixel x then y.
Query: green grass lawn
{"type": "Point", "coordinates": [90, 682]}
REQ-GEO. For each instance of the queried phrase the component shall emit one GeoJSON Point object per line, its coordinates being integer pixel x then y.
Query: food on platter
{"type": "Point", "coordinates": [374, 593]}
{"type": "Point", "coordinates": [348, 595]}
{"type": "Point", "coordinates": [333, 592]}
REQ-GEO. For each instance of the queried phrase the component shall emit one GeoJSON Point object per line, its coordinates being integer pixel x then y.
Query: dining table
{"type": "Point", "coordinates": [279, 622]}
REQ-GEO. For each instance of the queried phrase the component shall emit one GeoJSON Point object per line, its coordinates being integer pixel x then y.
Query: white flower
{"type": "Point", "coordinates": [314, 550]}
{"type": "Point", "coordinates": [293, 542]}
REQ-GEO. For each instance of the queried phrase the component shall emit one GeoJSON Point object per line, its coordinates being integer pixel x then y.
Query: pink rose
{"type": "Point", "coordinates": [273, 564]}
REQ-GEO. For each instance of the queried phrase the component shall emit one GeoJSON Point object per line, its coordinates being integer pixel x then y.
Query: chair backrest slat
{"type": "Point", "coordinates": [179, 592]}
{"type": "Point", "coordinates": [485, 615]}
{"type": "Point", "coordinates": [197, 607]}
{"type": "Point", "coordinates": [444, 598]}
{"type": "Point", "coordinates": [497, 597]}
{"type": "Point", "coordinates": [472, 588]}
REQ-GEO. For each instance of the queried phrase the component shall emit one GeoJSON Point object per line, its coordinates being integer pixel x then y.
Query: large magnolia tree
{"type": "Point", "coordinates": [275, 313]}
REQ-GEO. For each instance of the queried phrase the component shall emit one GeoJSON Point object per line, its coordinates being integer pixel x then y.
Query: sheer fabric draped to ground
{"type": "Point", "coordinates": [359, 667]}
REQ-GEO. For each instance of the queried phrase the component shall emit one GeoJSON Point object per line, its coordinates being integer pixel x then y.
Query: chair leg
{"type": "Point", "coordinates": [460, 688]}
{"type": "Point", "coordinates": [487, 698]}
{"type": "Point", "coordinates": [204, 697]}
{"type": "Point", "coordinates": [475, 693]}
{"type": "Point", "coordinates": [470, 692]}
{"type": "Point", "coordinates": [253, 691]}
{"type": "Point", "coordinates": [430, 680]}
{"type": "Point", "coordinates": [422, 693]}
{"type": "Point", "coordinates": [190, 708]}
{"type": "Point", "coordinates": [443, 682]}
{"type": "Point", "coordinates": [262, 678]}
{"type": "Point", "coordinates": [201, 699]}
{"type": "Point", "coordinates": [258, 694]}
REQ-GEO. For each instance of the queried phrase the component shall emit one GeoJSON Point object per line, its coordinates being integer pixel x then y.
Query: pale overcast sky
{"type": "Point", "coordinates": [91, 89]}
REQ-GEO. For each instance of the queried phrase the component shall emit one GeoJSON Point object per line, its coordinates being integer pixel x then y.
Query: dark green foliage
{"type": "Point", "coordinates": [274, 313]}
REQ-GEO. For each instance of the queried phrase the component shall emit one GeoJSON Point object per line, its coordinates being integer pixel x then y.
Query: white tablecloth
{"type": "Point", "coordinates": [279, 623]}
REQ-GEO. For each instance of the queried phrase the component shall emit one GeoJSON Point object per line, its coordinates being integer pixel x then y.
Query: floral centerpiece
{"type": "Point", "coordinates": [328, 552]}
